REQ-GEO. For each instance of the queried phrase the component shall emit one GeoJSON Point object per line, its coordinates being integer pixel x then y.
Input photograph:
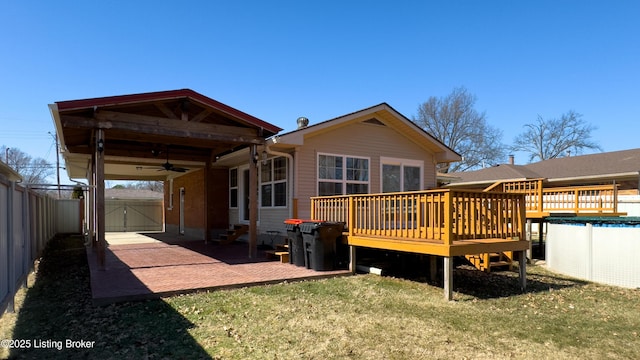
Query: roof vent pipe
{"type": "Point", "coordinates": [303, 122]}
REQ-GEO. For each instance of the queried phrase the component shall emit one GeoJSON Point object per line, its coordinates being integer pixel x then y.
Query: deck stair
{"type": "Point", "coordinates": [488, 261]}
{"type": "Point", "coordinates": [233, 234]}
{"type": "Point", "coordinates": [281, 252]}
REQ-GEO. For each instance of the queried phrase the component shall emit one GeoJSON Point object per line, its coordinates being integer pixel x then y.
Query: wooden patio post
{"type": "Point", "coordinates": [92, 202]}
{"type": "Point", "coordinates": [207, 179]}
{"type": "Point", "coordinates": [100, 211]}
{"type": "Point", "coordinates": [253, 202]}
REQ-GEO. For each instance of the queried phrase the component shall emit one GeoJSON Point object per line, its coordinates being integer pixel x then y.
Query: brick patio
{"type": "Point", "coordinates": [148, 266]}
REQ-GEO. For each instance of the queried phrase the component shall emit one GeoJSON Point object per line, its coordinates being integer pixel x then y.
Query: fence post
{"type": "Point", "coordinates": [26, 235]}
{"type": "Point", "coordinates": [10, 249]}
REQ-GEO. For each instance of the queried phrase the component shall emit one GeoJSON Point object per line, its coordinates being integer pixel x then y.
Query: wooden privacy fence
{"type": "Point", "coordinates": [432, 215]}
{"type": "Point", "coordinates": [574, 199]}
{"type": "Point", "coordinates": [28, 220]}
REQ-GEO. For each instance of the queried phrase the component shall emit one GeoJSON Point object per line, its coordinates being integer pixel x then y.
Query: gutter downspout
{"type": "Point", "coordinates": [290, 175]}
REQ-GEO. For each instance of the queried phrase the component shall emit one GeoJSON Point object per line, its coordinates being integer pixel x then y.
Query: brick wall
{"type": "Point", "coordinates": [194, 204]}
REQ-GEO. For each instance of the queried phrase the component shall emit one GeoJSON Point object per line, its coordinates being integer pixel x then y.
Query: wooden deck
{"type": "Point", "coordinates": [442, 222]}
{"type": "Point", "coordinates": [436, 222]}
{"type": "Point", "coordinates": [541, 201]}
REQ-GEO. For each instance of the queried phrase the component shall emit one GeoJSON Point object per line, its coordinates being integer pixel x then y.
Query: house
{"type": "Point", "coordinates": [371, 169]}
{"type": "Point", "coordinates": [374, 150]}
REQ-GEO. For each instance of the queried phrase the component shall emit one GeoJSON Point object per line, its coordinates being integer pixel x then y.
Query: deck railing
{"type": "Point", "coordinates": [431, 215]}
{"type": "Point", "coordinates": [574, 199]}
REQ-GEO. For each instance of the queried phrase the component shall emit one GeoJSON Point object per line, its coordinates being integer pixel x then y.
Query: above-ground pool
{"type": "Point", "coordinates": [600, 249]}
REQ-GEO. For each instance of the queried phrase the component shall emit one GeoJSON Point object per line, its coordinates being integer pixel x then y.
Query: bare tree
{"type": "Point", "coordinates": [157, 186]}
{"type": "Point", "coordinates": [33, 171]}
{"type": "Point", "coordinates": [552, 138]}
{"type": "Point", "coordinates": [454, 121]}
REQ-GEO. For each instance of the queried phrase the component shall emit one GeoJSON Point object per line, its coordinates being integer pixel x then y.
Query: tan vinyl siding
{"type": "Point", "coordinates": [272, 219]}
{"type": "Point", "coordinates": [360, 140]}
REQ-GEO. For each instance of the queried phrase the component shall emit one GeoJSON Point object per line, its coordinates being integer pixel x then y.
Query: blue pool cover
{"type": "Point", "coordinates": [600, 221]}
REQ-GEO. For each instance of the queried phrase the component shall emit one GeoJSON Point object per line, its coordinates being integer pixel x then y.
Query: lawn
{"type": "Point", "coordinates": [357, 317]}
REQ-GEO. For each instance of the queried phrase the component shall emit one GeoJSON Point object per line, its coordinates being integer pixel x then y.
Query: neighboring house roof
{"type": "Point", "coordinates": [383, 113]}
{"type": "Point", "coordinates": [132, 194]}
{"type": "Point", "coordinates": [9, 173]}
{"type": "Point", "coordinates": [624, 164]}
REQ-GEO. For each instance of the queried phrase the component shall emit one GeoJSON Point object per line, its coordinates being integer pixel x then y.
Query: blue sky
{"type": "Point", "coordinates": [278, 60]}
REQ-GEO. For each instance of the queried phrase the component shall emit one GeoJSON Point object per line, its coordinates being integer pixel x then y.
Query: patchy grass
{"type": "Point", "coordinates": [359, 317]}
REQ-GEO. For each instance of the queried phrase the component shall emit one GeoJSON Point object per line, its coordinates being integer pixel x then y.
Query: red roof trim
{"type": "Point", "coordinates": [165, 95]}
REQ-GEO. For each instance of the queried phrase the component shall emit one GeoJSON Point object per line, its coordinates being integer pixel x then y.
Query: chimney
{"type": "Point", "coordinates": [512, 160]}
{"type": "Point", "coordinates": [303, 122]}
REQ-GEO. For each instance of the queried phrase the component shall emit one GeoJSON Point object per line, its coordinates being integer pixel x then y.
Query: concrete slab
{"type": "Point", "coordinates": [137, 268]}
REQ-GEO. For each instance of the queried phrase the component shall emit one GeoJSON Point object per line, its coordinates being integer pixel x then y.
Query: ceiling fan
{"type": "Point", "coordinates": [170, 167]}
{"type": "Point", "coordinates": [167, 166]}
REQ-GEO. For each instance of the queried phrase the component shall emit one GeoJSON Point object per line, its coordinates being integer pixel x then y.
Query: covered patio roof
{"type": "Point", "coordinates": [152, 136]}
{"type": "Point", "coordinates": [144, 132]}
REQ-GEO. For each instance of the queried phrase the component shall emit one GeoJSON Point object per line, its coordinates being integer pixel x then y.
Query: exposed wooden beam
{"type": "Point", "coordinates": [202, 115]}
{"type": "Point", "coordinates": [151, 125]}
{"type": "Point", "coordinates": [165, 110]}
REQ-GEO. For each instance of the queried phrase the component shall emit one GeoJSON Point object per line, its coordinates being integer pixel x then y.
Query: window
{"type": "Point", "coordinates": [401, 175]}
{"type": "Point", "coordinates": [339, 175]}
{"type": "Point", "coordinates": [273, 182]}
{"type": "Point", "coordinates": [233, 188]}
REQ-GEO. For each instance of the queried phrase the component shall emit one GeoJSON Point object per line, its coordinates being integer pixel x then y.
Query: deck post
{"type": "Point", "coordinates": [352, 259]}
{"type": "Point", "coordinates": [448, 278]}
{"type": "Point", "coordinates": [529, 237]}
{"type": "Point", "coordinates": [522, 270]}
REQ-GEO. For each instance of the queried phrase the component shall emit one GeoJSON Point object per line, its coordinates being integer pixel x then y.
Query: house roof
{"type": "Point", "coordinates": [146, 135]}
{"type": "Point", "coordinates": [601, 166]}
{"type": "Point", "coordinates": [155, 97]}
{"type": "Point", "coordinates": [382, 112]}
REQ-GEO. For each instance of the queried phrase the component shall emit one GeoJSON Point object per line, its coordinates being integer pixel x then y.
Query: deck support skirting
{"type": "Point", "coordinates": [448, 278]}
